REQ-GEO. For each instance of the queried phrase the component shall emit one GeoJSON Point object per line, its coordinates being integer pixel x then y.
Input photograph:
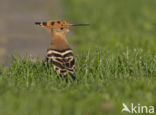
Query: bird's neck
{"type": "Point", "coordinates": [58, 40]}
{"type": "Point", "coordinates": [58, 35]}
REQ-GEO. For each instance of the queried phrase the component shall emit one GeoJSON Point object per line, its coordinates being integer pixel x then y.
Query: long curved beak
{"type": "Point", "coordinates": [78, 24]}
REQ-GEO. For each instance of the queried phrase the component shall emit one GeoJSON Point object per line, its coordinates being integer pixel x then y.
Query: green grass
{"type": "Point", "coordinates": [115, 64]}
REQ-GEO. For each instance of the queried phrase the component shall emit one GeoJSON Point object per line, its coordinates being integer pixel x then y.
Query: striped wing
{"type": "Point", "coordinates": [63, 61]}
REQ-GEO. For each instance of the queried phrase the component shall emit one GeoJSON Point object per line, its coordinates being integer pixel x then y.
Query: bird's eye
{"type": "Point", "coordinates": [61, 28]}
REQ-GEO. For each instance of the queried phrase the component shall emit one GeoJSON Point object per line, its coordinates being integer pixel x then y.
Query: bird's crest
{"type": "Point", "coordinates": [57, 24]}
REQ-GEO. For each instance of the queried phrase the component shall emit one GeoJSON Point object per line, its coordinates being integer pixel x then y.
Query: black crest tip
{"type": "Point", "coordinates": [37, 23]}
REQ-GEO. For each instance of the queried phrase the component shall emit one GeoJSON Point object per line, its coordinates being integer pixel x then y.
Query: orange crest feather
{"type": "Point", "coordinates": [53, 24]}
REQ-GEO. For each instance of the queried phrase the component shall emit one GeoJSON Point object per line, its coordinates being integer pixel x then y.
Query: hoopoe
{"type": "Point", "coordinates": [59, 52]}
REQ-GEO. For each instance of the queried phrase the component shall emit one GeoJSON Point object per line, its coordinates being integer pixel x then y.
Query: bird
{"type": "Point", "coordinates": [59, 52]}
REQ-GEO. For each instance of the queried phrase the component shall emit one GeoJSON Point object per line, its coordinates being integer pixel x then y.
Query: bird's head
{"type": "Point", "coordinates": [58, 26]}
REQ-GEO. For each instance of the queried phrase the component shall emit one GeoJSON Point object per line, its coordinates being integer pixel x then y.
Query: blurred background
{"type": "Point", "coordinates": [124, 24]}
{"type": "Point", "coordinates": [18, 33]}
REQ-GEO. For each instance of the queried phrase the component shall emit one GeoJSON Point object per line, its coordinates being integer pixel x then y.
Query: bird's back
{"type": "Point", "coordinates": [61, 56]}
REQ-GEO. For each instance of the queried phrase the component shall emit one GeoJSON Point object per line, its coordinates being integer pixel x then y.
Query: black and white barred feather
{"type": "Point", "coordinates": [62, 60]}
